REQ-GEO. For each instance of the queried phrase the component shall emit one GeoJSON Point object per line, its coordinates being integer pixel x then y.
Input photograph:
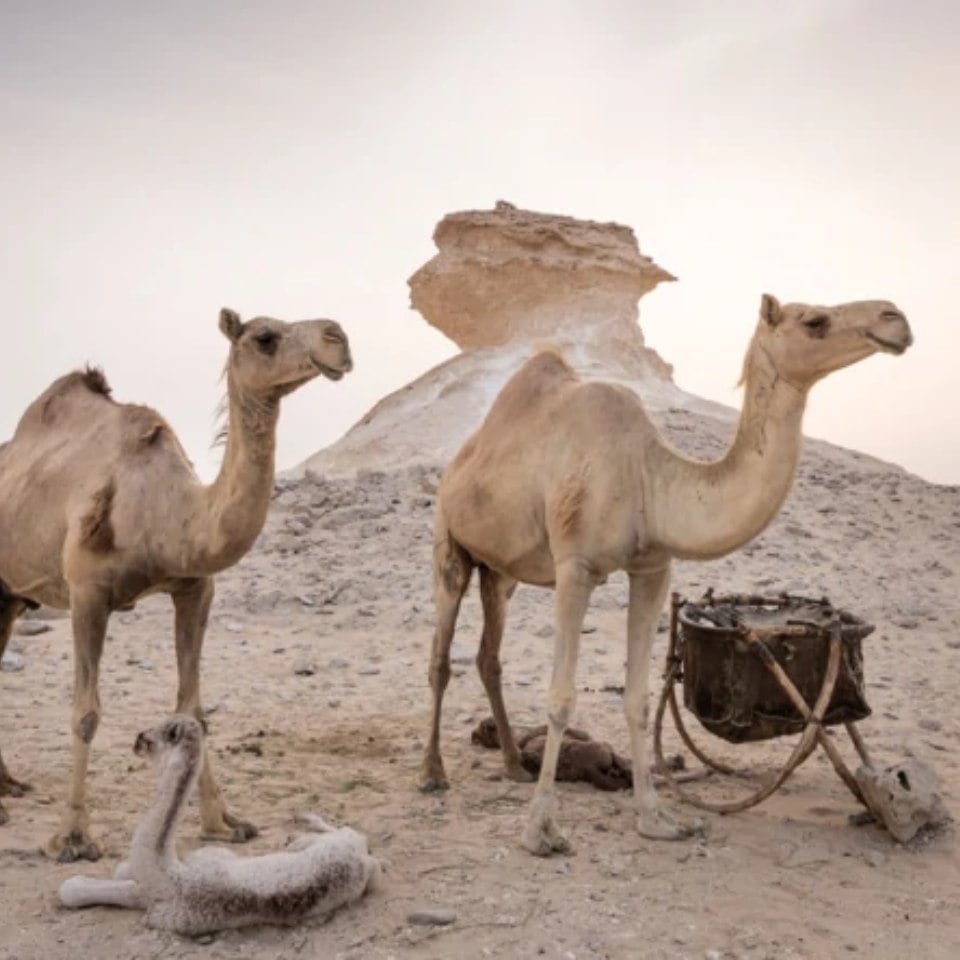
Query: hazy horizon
{"type": "Point", "coordinates": [292, 159]}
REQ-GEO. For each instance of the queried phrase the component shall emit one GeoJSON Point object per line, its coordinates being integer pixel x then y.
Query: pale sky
{"type": "Point", "coordinates": [160, 160]}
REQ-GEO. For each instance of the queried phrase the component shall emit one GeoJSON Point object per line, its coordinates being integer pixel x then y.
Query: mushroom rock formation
{"type": "Point", "coordinates": [505, 284]}
{"type": "Point", "coordinates": [507, 274]}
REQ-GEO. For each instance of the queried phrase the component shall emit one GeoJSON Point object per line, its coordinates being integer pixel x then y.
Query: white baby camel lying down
{"type": "Point", "coordinates": [213, 889]}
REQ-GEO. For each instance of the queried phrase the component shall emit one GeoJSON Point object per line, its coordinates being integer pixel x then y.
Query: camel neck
{"type": "Point", "coordinates": [240, 496]}
{"type": "Point", "coordinates": [705, 510]}
{"type": "Point", "coordinates": [154, 841]}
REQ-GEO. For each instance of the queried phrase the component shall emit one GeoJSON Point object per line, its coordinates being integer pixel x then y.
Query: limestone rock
{"type": "Point", "coordinates": [508, 274]}
{"type": "Point", "coordinates": [904, 796]}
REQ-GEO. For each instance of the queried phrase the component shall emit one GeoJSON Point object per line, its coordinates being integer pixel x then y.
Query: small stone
{"type": "Point", "coordinates": [545, 631]}
{"type": "Point", "coordinates": [439, 917]}
{"type": "Point", "coordinates": [929, 723]}
{"type": "Point", "coordinates": [304, 668]}
{"type": "Point", "coordinates": [30, 628]}
{"type": "Point", "coordinates": [461, 654]}
{"type": "Point", "coordinates": [12, 662]}
{"type": "Point", "coordinates": [368, 671]}
{"type": "Point", "coordinates": [875, 858]}
{"type": "Point", "coordinates": [338, 663]}
{"type": "Point", "coordinates": [233, 627]}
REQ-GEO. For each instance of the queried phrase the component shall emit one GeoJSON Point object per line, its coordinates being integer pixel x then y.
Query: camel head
{"type": "Point", "coordinates": [180, 730]}
{"type": "Point", "coordinates": [271, 358]}
{"type": "Point", "coordinates": [806, 343]}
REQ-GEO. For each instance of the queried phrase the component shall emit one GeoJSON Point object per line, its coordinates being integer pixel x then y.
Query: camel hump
{"type": "Point", "coordinates": [65, 397]}
{"type": "Point", "coordinates": [94, 379]}
{"type": "Point", "coordinates": [540, 378]}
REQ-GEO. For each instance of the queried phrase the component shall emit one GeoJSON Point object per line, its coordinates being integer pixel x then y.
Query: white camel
{"type": "Point", "coordinates": [213, 889]}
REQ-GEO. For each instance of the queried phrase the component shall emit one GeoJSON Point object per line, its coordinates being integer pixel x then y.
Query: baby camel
{"type": "Point", "coordinates": [566, 482]}
{"type": "Point", "coordinates": [99, 506]}
{"type": "Point", "coordinates": [213, 889]}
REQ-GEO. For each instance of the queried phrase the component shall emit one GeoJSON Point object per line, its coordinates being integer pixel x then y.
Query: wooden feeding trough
{"type": "Point", "coordinates": [754, 668]}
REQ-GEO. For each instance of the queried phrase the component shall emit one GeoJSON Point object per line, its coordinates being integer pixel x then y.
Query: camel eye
{"type": "Point", "coordinates": [266, 340]}
{"type": "Point", "coordinates": [173, 734]}
{"type": "Point", "coordinates": [817, 325]}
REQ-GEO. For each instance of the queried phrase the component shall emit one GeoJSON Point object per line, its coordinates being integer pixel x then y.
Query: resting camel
{"type": "Point", "coordinates": [99, 506]}
{"type": "Point", "coordinates": [566, 482]}
{"type": "Point", "coordinates": [213, 889]}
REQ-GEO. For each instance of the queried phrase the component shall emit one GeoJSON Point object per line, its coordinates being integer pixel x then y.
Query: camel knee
{"type": "Point", "coordinates": [488, 666]}
{"type": "Point", "coordinates": [86, 726]}
{"type": "Point", "coordinates": [560, 707]}
{"type": "Point", "coordinates": [439, 675]}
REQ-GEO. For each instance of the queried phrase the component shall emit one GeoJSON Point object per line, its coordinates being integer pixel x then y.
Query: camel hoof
{"type": "Point", "coordinates": [232, 830]}
{"type": "Point", "coordinates": [75, 846]}
{"type": "Point", "coordinates": [541, 836]}
{"type": "Point", "coordinates": [661, 826]}
{"type": "Point", "coordinates": [543, 846]}
{"type": "Point", "coordinates": [434, 784]}
{"type": "Point", "coordinates": [13, 788]}
{"type": "Point", "coordinates": [433, 777]}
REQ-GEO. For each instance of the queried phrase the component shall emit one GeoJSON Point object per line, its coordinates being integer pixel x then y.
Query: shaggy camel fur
{"type": "Point", "coordinates": [213, 889]}
{"type": "Point", "coordinates": [566, 482]}
{"type": "Point", "coordinates": [99, 506]}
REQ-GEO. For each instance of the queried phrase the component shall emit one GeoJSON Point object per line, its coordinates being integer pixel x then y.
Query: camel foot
{"type": "Point", "coordinates": [657, 825]}
{"type": "Point", "coordinates": [432, 777]}
{"type": "Point", "coordinates": [541, 835]}
{"type": "Point", "coordinates": [230, 830]}
{"type": "Point", "coordinates": [73, 846]}
{"type": "Point", "coordinates": [13, 788]}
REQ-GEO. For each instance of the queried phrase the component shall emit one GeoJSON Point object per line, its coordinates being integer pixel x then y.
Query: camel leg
{"type": "Point", "coordinates": [89, 612]}
{"type": "Point", "coordinates": [495, 591]}
{"type": "Point", "coordinates": [9, 787]}
{"type": "Point", "coordinates": [648, 591]}
{"type": "Point", "coordinates": [191, 605]}
{"type": "Point", "coordinates": [541, 836]}
{"type": "Point", "coordinates": [451, 576]}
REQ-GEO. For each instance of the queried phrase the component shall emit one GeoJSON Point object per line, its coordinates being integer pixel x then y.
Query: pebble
{"type": "Point", "coordinates": [30, 628]}
{"type": "Point", "coordinates": [461, 654]}
{"type": "Point", "coordinates": [12, 662]}
{"type": "Point", "coordinates": [438, 917]}
{"type": "Point", "coordinates": [929, 723]}
{"type": "Point", "coordinates": [304, 668]}
{"type": "Point", "coordinates": [368, 671]}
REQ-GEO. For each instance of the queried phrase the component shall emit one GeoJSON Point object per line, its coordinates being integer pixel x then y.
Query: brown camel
{"type": "Point", "coordinates": [99, 506]}
{"type": "Point", "coordinates": [566, 482]}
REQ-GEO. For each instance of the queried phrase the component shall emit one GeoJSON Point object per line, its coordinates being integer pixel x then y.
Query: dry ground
{"type": "Point", "coordinates": [315, 670]}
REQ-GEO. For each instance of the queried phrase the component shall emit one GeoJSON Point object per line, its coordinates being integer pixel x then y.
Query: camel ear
{"type": "Point", "coordinates": [770, 309]}
{"type": "Point", "coordinates": [231, 326]}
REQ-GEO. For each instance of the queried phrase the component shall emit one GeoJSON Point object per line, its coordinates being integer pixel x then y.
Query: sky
{"type": "Point", "coordinates": [291, 158]}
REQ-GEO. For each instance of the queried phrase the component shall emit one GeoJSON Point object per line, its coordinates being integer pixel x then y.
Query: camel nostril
{"type": "Point", "coordinates": [892, 315]}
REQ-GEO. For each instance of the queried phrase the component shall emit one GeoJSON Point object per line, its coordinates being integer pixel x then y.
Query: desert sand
{"type": "Point", "coordinates": [315, 677]}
